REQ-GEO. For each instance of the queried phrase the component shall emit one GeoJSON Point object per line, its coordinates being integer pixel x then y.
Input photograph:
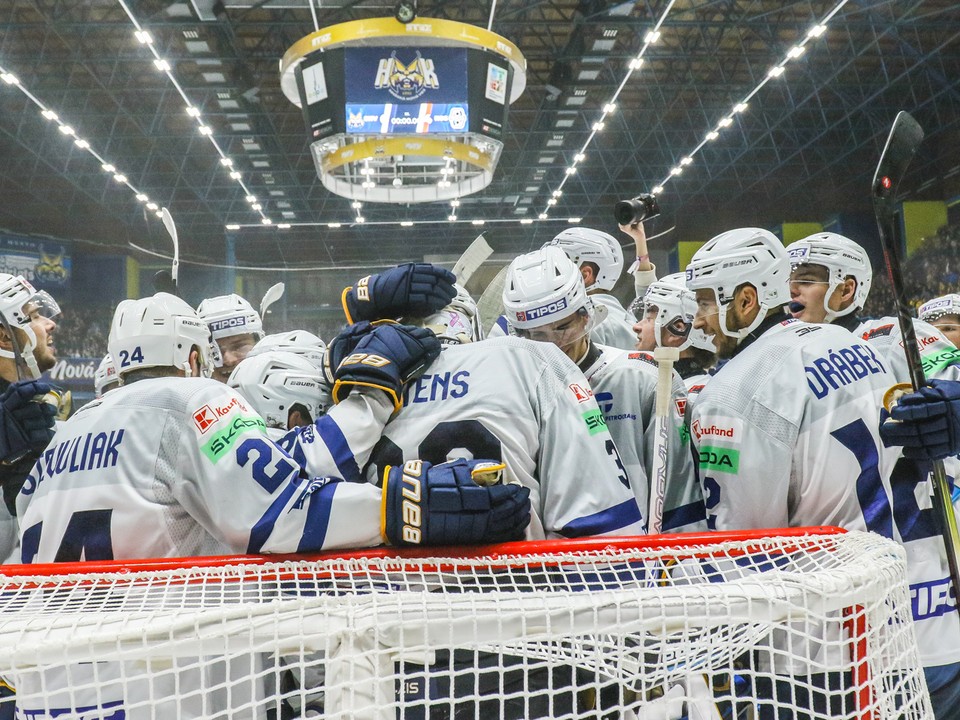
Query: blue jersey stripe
{"type": "Point", "coordinates": [619, 516]}
{"type": "Point", "coordinates": [264, 527]}
{"type": "Point", "coordinates": [339, 448]}
{"type": "Point", "coordinates": [684, 515]}
{"type": "Point", "coordinates": [318, 518]}
{"type": "Point", "coordinates": [502, 324]}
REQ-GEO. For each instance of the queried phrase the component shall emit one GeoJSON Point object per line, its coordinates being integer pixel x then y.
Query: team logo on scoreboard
{"type": "Point", "coordinates": [406, 81]}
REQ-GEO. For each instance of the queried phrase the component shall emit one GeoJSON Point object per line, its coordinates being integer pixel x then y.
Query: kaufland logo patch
{"type": "Point", "coordinates": [681, 406]}
{"type": "Point", "coordinates": [208, 415]}
{"type": "Point", "coordinates": [713, 430]}
{"type": "Point", "coordinates": [542, 311]}
{"type": "Point", "coordinates": [581, 393]}
{"type": "Point", "coordinates": [228, 323]}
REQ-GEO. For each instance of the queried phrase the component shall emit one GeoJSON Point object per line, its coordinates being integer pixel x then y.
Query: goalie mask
{"type": "Point", "coordinates": [274, 381]}
{"type": "Point", "coordinates": [159, 331]}
{"type": "Point", "coordinates": [105, 377]}
{"type": "Point", "coordinates": [842, 258]}
{"type": "Point", "coordinates": [542, 289]}
{"type": "Point", "coordinates": [675, 308]}
{"type": "Point", "coordinates": [459, 322]}
{"type": "Point", "coordinates": [737, 257]}
{"type": "Point", "coordinates": [20, 304]}
{"type": "Point", "coordinates": [587, 245]}
{"type": "Point", "coordinates": [299, 342]}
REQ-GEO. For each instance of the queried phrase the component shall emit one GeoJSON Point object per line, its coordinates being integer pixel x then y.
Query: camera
{"type": "Point", "coordinates": [642, 207]}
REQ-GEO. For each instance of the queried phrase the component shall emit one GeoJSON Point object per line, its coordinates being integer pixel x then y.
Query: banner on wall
{"type": "Point", "coordinates": [44, 264]}
{"type": "Point", "coordinates": [74, 373]}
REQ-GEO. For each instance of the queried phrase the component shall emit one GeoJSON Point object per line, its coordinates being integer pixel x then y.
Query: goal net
{"type": "Point", "coordinates": [810, 623]}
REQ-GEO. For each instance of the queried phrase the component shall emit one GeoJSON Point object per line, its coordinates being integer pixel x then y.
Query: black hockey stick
{"type": "Point", "coordinates": [905, 137]}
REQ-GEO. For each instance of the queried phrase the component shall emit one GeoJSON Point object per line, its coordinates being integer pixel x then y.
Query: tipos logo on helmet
{"type": "Point", "coordinates": [542, 311]}
{"type": "Point", "coordinates": [234, 322]}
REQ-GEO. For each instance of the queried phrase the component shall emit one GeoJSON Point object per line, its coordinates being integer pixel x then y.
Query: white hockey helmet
{"type": "Point", "coordinates": [676, 307]}
{"type": "Point", "coordinates": [18, 301]}
{"type": "Point", "coordinates": [743, 256]}
{"type": "Point", "coordinates": [458, 322]}
{"type": "Point", "coordinates": [543, 287]}
{"type": "Point", "coordinates": [228, 315]}
{"type": "Point", "coordinates": [587, 245]}
{"type": "Point", "coordinates": [843, 258]}
{"type": "Point", "coordinates": [939, 306]}
{"type": "Point", "coordinates": [299, 342]}
{"type": "Point", "coordinates": [274, 380]}
{"type": "Point", "coordinates": [158, 331]}
{"type": "Point", "coordinates": [105, 376]}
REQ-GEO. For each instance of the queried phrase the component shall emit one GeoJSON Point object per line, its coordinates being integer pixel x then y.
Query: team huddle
{"type": "Point", "coordinates": [412, 428]}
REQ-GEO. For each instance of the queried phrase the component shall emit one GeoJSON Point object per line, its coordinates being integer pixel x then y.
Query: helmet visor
{"type": "Point", "coordinates": [42, 304]}
{"type": "Point", "coordinates": [563, 332]}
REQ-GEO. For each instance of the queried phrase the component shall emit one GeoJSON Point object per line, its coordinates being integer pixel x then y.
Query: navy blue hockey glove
{"type": "Point", "coordinates": [343, 345]}
{"type": "Point", "coordinates": [418, 289]}
{"type": "Point", "coordinates": [926, 423]}
{"type": "Point", "coordinates": [26, 422]}
{"type": "Point", "coordinates": [386, 357]}
{"type": "Point", "coordinates": [426, 504]}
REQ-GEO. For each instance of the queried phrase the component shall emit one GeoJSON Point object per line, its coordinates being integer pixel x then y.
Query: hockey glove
{"type": "Point", "coordinates": [418, 289]}
{"type": "Point", "coordinates": [426, 504]}
{"type": "Point", "coordinates": [386, 357]}
{"type": "Point", "coordinates": [26, 420]}
{"type": "Point", "coordinates": [926, 423]}
{"type": "Point", "coordinates": [342, 346]}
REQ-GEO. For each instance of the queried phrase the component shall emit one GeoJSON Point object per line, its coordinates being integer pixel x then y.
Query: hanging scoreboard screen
{"type": "Point", "coordinates": [406, 90]}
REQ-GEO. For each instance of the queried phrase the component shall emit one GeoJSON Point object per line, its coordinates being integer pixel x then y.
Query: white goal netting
{"type": "Point", "coordinates": [708, 626]}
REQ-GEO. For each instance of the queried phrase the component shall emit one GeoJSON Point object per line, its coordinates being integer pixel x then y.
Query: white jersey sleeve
{"type": "Point", "coordinates": [527, 404]}
{"type": "Point", "coordinates": [938, 356]}
{"type": "Point", "coordinates": [178, 467]}
{"type": "Point", "coordinates": [616, 330]}
{"type": "Point", "coordinates": [786, 434]}
{"type": "Point", "coordinates": [625, 387]}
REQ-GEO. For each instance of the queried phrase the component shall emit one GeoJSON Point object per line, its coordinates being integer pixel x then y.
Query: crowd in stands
{"type": "Point", "coordinates": [82, 330]}
{"type": "Point", "coordinates": [931, 270]}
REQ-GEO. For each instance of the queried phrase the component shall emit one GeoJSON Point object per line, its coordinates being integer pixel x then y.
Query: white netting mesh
{"type": "Point", "coordinates": [814, 626]}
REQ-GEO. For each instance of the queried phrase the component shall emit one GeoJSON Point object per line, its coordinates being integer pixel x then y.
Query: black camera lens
{"type": "Point", "coordinates": [643, 207]}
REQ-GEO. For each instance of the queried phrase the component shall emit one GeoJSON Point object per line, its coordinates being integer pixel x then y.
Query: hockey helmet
{"type": "Point", "coordinates": [229, 315]}
{"type": "Point", "coordinates": [18, 301]}
{"type": "Point", "coordinates": [158, 331]}
{"type": "Point", "coordinates": [939, 306]}
{"type": "Point", "coordinates": [105, 377]}
{"type": "Point", "coordinates": [299, 342]}
{"type": "Point", "coordinates": [458, 322]}
{"type": "Point", "coordinates": [676, 307]}
{"type": "Point", "coordinates": [736, 257]}
{"type": "Point", "coordinates": [587, 245]}
{"type": "Point", "coordinates": [544, 287]}
{"type": "Point", "coordinates": [273, 381]}
{"type": "Point", "coordinates": [842, 258]}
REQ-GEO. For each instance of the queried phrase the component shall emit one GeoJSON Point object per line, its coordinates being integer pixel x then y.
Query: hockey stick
{"type": "Point", "coordinates": [273, 293]}
{"type": "Point", "coordinates": [166, 281]}
{"type": "Point", "coordinates": [490, 304]}
{"type": "Point", "coordinates": [665, 357]}
{"type": "Point", "coordinates": [472, 258]}
{"type": "Point", "coordinates": [905, 137]}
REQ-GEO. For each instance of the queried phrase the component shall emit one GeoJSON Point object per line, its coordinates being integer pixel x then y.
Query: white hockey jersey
{"type": "Point", "coordinates": [176, 467]}
{"type": "Point", "coordinates": [938, 356]}
{"type": "Point", "coordinates": [527, 404]}
{"type": "Point", "coordinates": [617, 328]}
{"type": "Point", "coordinates": [625, 386]}
{"type": "Point", "coordinates": [786, 434]}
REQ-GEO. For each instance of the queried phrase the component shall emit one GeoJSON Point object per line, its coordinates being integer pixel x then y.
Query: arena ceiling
{"type": "Point", "coordinates": [802, 150]}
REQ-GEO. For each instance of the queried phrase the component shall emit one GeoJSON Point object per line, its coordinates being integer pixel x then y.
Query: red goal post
{"type": "Point", "coordinates": [802, 622]}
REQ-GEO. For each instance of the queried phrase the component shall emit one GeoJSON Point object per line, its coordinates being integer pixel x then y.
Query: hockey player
{"type": "Point", "coordinates": [943, 313]}
{"type": "Point", "coordinates": [787, 432]}
{"type": "Point", "coordinates": [105, 377]}
{"type": "Point", "coordinates": [830, 282]}
{"type": "Point", "coordinates": [171, 466]}
{"type": "Point", "coordinates": [27, 409]}
{"type": "Point", "coordinates": [299, 342]}
{"type": "Point", "coordinates": [665, 317]}
{"type": "Point", "coordinates": [236, 327]}
{"type": "Point", "coordinates": [284, 388]}
{"type": "Point", "coordinates": [600, 259]}
{"type": "Point", "coordinates": [545, 299]}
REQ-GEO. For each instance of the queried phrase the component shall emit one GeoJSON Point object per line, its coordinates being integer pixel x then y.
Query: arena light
{"type": "Point", "coordinates": [81, 143]}
{"type": "Point", "coordinates": [49, 115]}
{"type": "Point", "coordinates": [143, 37]}
{"type": "Point", "coordinates": [233, 226]}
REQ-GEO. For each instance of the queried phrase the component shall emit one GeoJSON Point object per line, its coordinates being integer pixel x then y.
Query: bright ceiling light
{"type": "Point", "coordinates": [233, 227]}
{"type": "Point", "coordinates": [226, 162]}
{"type": "Point", "coordinates": [636, 63]}
{"type": "Point", "coordinates": [796, 51]}
{"type": "Point", "coordinates": [152, 206]}
{"type": "Point", "coordinates": [579, 157]}
{"type": "Point", "coordinates": [120, 178]}
{"type": "Point", "coordinates": [574, 220]}
{"type": "Point", "coordinates": [205, 130]}
{"type": "Point", "coordinates": [141, 197]}
{"type": "Point", "coordinates": [557, 193]}
{"type": "Point", "coordinates": [651, 37]}
{"type": "Point", "coordinates": [526, 221]}
{"type": "Point", "coordinates": [66, 130]}
{"type": "Point", "coordinates": [159, 213]}
{"type": "Point", "coordinates": [107, 167]}
{"type": "Point", "coordinates": [192, 111]}
{"type": "Point", "coordinates": [454, 203]}
{"type": "Point", "coordinates": [162, 65]}
{"type": "Point", "coordinates": [477, 222]}
{"type": "Point", "coordinates": [9, 78]}
{"type": "Point", "coordinates": [713, 135]}
{"type": "Point", "coordinates": [609, 108]}
{"type": "Point", "coordinates": [406, 223]}
{"type": "Point", "coordinates": [542, 216]}
{"type": "Point", "coordinates": [676, 170]}
{"type": "Point", "coordinates": [686, 161]}
{"type": "Point", "coordinates": [657, 190]}
{"type": "Point", "coordinates": [235, 175]}
{"type": "Point", "coordinates": [739, 107]}
{"type": "Point", "coordinates": [49, 114]}
{"type": "Point", "coordinates": [143, 37]}
{"type": "Point", "coordinates": [776, 71]}
{"type": "Point", "coordinates": [570, 170]}
{"type": "Point", "coordinates": [726, 122]}
{"type": "Point", "coordinates": [598, 126]}
{"type": "Point", "coordinates": [552, 201]}
{"type": "Point", "coordinates": [356, 205]}
{"type": "Point", "coordinates": [361, 219]}
{"type": "Point", "coordinates": [816, 31]}
{"type": "Point", "coordinates": [333, 225]}
{"type": "Point", "coordinates": [283, 226]}
{"type": "Point", "coordinates": [256, 206]}
{"type": "Point", "coordinates": [81, 143]}
{"type": "Point", "coordinates": [266, 221]}
{"type": "Point", "coordinates": [451, 217]}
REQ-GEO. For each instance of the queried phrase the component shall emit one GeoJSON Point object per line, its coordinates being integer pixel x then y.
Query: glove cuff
{"type": "Point", "coordinates": [346, 305]}
{"type": "Point", "coordinates": [383, 505]}
{"type": "Point", "coordinates": [342, 388]}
